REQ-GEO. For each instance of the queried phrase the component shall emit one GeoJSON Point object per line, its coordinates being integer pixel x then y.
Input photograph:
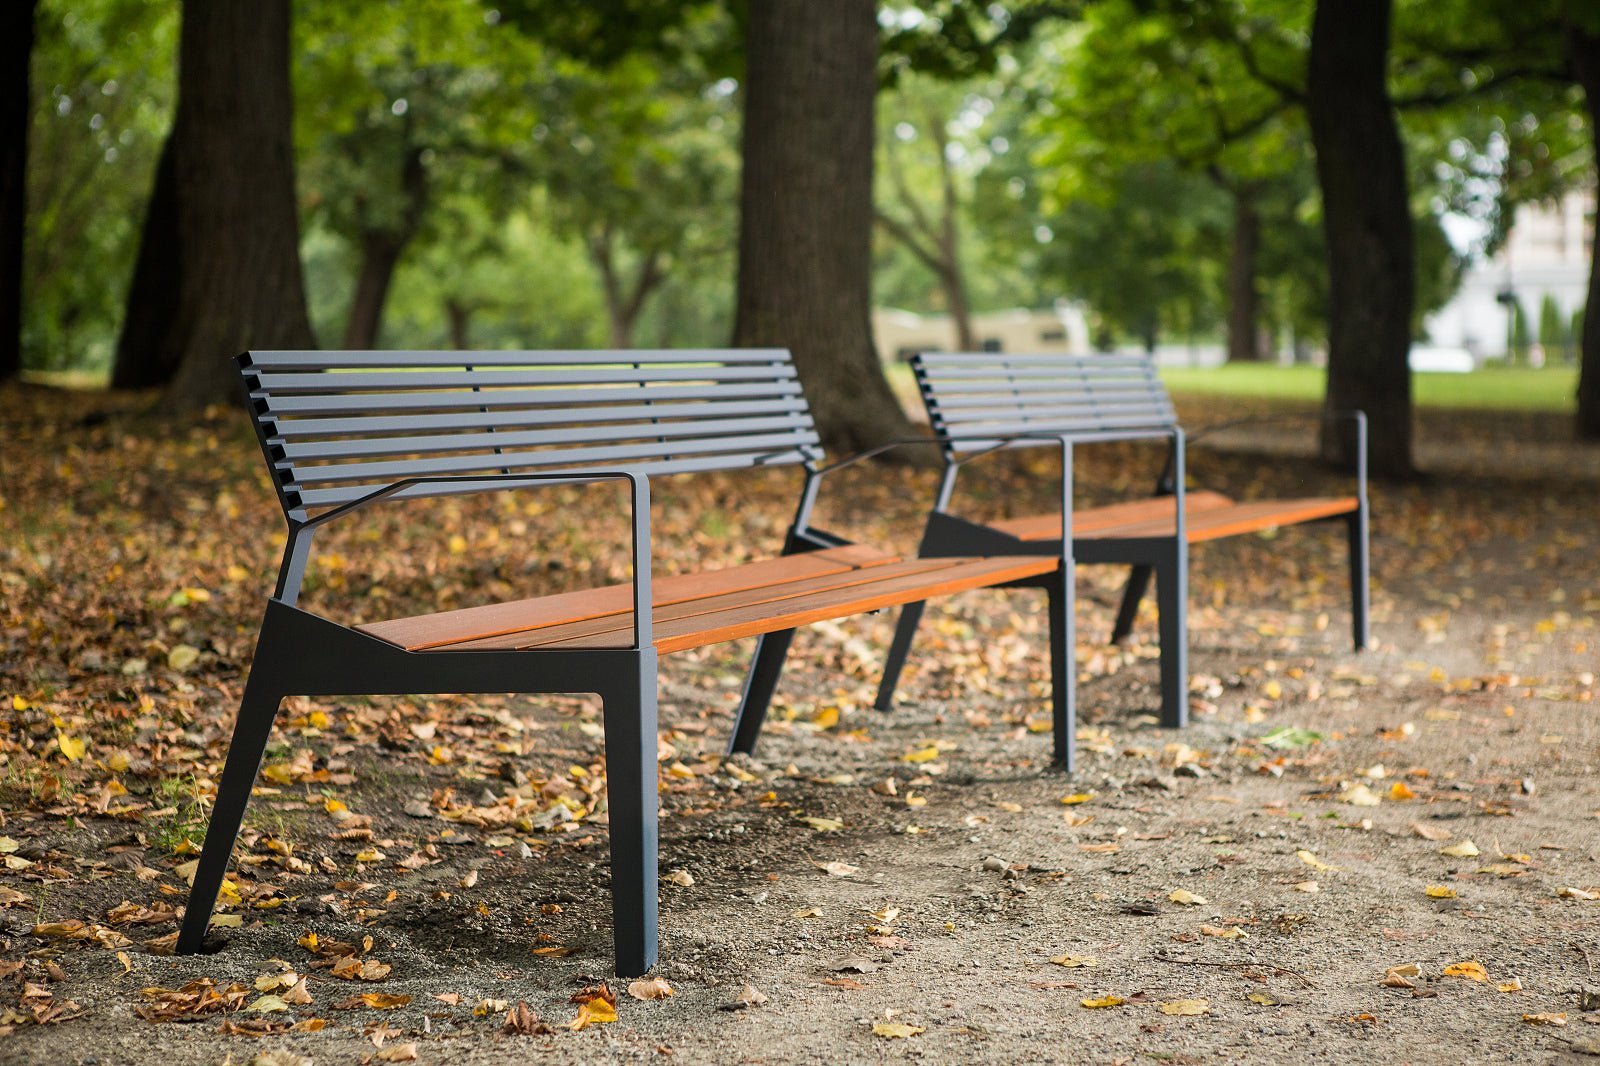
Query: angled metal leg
{"type": "Point", "coordinates": [1360, 578]}
{"type": "Point", "coordinates": [1172, 598]}
{"type": "Point", "coordinates": [904, 631]}
{"type": "Point", "coordinates": [1132, 595]}
{"type": "Point", "coordinates": [758, 688]}
{"type": "Point", "coordinates": [630, 722]}
{"type": "Point", "coordinates": [1063, 671]}
{"type": "Point", "coordinates": [250, 732]}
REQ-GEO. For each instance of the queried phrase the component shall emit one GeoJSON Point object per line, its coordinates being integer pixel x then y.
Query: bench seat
{"type": "Point", "coordinates": [1207, 516]}
{"type": "Point", "coordinates": [694, 610]}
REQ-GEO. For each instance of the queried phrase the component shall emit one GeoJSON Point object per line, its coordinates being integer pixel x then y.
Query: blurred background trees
{"type": "Point", "coordinates": [1263, 175]}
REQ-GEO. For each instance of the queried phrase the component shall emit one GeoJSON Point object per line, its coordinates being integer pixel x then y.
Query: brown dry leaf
{"type": "Point", "coordinates": [1465, 849]}
{"type": "Point", "coordinates": [1578, 894]}
{"type": "Point", "coordinates": [1231, 932]}
{"type": "Point", "coordinates": [382, 1000]}
{"type": "Point", "coordinates": [1545, 1019]}
{"type": "Point", "coordinates": [1430, 832]}
{"type": "Point", "coordinates": [597, 1005]}
{"type": "Point", "coordinates": [521, 1021]}
{"type": "Point", "coordinates": [1513, 985]}
{"type": "Point", "coordinates": [1472, 970]}
{"type": "Point", "coordinates": [554, 951]}
{"type": "Point", "coordinates": [1185, 898]}
{"type": "Point", "coordinates": [749, 996]}
{"type": "Point", "coordinates": [896, 1030]}
{"type": "Point", "coordinates": [1073, 962]}
{"type": "Point", "coordinates": [396, 1053]}
{"type": "Point", "coordinates": [650, 988]}
{"type": "Point", "coordinates": [1186, 1008]}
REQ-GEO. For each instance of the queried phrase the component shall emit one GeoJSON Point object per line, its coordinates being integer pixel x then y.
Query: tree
{"type": "Point", "coordinates": [1553, 339]}
{"type": "Point", "coordinates": [1367, 225]}
{"type": "Point", "coordinates": [16, 27]}
{"type": "Point", "coordinates": [1583, 53]}
{"type": "Point", "coordinates": [806, 209]}
{"type": "Point", "coordinates": [223, 234]}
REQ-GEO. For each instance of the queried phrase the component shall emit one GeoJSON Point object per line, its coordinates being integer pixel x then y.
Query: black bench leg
{"type": "Point", "coordinates": [1063, 671]}
{"type": "Point", "coordinates": [631, 785]}
{"type": "Point", "coordinates": [257, 710]}
{"type": "Point", "coordinates": [1360, 579]}
{"type": "Point", "coordinates": [905, 630]}
{"type": "Point", "coordinates": [1172, 599]}
{"type": "Point", "coordinates": [758, 689]}
{"type": "Point", "coordinates": [1132, 594]}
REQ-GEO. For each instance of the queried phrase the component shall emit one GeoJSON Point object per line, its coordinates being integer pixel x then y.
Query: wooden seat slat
{"type": "Point", "coordinates": [1251, 516]}
{"type": "Point", "coordinates": [428, 631]}
{"type": "Point", "coordinates": [620, 626]}
{"type": "Point", "coordinates": [755, 619]}
{"type": "Point", "coordinates": [1087, 521]}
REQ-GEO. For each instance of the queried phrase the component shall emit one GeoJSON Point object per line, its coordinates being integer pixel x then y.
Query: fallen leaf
{"type": "Point", "coordinates": [1430, 832]}
{"type": "Point", "coordinates": [1465, 849]}
{"type": "Point", "coordinates": [650, 988]}
{"type": "Point", "coordinates": [928, 754]}
{"type": "Point", "coordinates": [1440, 892]}
{"type": "Point", "coordinates": [596, 1006]}
{"type": "Point", "coordinates": [521, 1021]}
{"type": "Point", "coordinates": [1103, 1001]}
{"type": "Point", "coordinates": [1186, 1008]}
{"type": "Point", "coordinates": [71, 747]}
{"type": "Point", "coordinates": [1362, 796]}
{"type": "Point", "coordinates": [1311, 860]}
{"type": "Point", "coordinates": [1472, 970]}
{"type": "Point", "coordinates": [396, 1053]}
{"type": "Point", "coordinates": [1513, 985]}
{"type": "Point", "coordinates": [1184, 897]}
{"type": "Point", "coordinates": [1232, 932]}
{"type": "Point", "coordinates": [383, 1000]}
{"type": "Point", "coordinates": [896, 1030]}
{"type": "Point", "coordinates": [840, 869]}
{"type": "Point", "coordinates": [824, 825]}
{"type": "Point", "coordinates": [1073, 962]}
{"type": "Point", "coordinates": [1076, 798]}
{"type": "Point", "coordinates": [1577, 893]}
{"type": "Point", "coordinates": [1545, 1019]}
{"type": "Point", "coordinates": [681, 878]}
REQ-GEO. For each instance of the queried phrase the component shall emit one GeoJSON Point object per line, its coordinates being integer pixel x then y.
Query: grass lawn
{"type": "Point", "coordinates": [1500, 388]}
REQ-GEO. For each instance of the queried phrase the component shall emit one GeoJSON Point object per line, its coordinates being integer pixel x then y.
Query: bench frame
{"type": "Point", "coordinates": [1164, 557]}
{"type": "Point", "coordinates": [299, 653]}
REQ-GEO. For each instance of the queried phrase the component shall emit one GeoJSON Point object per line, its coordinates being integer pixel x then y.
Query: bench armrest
{"type": "Point", "coordinates": [1326, 417]}
{"type": "Point", "coordinates": [296, 551]}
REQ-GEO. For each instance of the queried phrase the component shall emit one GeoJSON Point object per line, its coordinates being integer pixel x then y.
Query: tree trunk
{"type": "Point", "coordinates": [147, 354]}
{"type": "Point", "coordinates": [460, 316]}
{"type": "Point", "coordinates": [16, 26]}
{"type": "Point", "coordinates": [624, 302]}
{"type": "Point", "coordinates": [1583, 51]}
{"type": "Point", "coordinates": [380, 255]}
{"type": "Point", "coordinates": [1244, 298]}
{"type": "Point", "coordinates": [806, 210]}
{"type": "Point", "coordinates": [1366, 219]}
{"type": "Point", "coordinates": [237, 232]}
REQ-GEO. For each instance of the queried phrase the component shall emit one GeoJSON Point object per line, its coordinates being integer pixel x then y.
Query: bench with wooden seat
{"type": "Point", "coordinates": [342, 431]}
{"type": "Point", "coordinates": [986, 402]}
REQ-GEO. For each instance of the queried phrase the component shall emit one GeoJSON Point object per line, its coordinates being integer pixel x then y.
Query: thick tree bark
{"type": "Point", "coordinates": [806, 209]}
{"type": "Point", "coordinates": [1371, 264]}
{"type": "Point", "coordinates": [1244, 297]}
{"type": "Point", "coordinates": [235, 231]}
{"type": "Point", "coordinates": [1583, 51]}
{"type": "Point", "coordinates": [381, 249]}
{"type": "Point", "coordinates": [147, 355]}
{"type": "Point", "coordinates": [16, 45]}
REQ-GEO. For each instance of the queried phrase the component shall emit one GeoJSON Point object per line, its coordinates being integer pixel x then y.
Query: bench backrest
{"type": "Point", "coordinates": [338, 425]}
{"type": "Point", "coordinates": [976, 400]}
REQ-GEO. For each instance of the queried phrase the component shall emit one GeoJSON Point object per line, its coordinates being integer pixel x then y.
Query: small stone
{"type": "Point", "coordinates": [1589, 998]}
{"type": "Point", "coordinates": [995, 864]}
{"type": "Point", "coordinates": [418, 809]}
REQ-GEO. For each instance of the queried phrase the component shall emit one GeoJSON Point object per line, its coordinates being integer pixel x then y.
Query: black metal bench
{"type": "Point", "coordinates": [984, 402]}
{"type": "Point", "coordinates": [344, 430]}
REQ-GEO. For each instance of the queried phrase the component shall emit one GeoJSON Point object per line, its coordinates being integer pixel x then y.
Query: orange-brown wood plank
{"type": "Point", "coordinates": [732, 624]}
{"type": "Point", "coordinates": [620, 626]}
{"type": "Point", "coordinates": [1089, 520]}
{"type": "Point", "coordinates": [1250, 517]}
{"type": "Point", "coordinates": [421, 632]}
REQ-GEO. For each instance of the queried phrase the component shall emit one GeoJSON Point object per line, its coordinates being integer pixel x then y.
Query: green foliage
{"type": "Point", "coordinates": [103, 83]}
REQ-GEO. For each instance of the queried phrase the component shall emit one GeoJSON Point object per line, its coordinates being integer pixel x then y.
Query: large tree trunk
{"type": "Point", "coordinates": [147, 355]}
{"type": "Point", "coordinates": [1244, 298]}
{"type": "Point", "coordinates": [806, 209]}
{"type": "Point", "coordinates": [1371, 268]}
{"type": "Point", "coordinates": [236, 231]}
{"type": "Point", "coordinates": [16, 29]}
{"type": "Point", "coordinates": [1583, 51]}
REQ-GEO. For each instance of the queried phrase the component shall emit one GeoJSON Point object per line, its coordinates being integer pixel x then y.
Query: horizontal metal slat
{"type": "Point", "coordinates": [494, 418]}
{"type": "Point", "coordinates": [965, 406]}
{"type": "Point", "coordinates": [635, 429]}
{"type": "Point", "coordinates": [1072, 426]}
{"type": "Point", "coordinates": [959, 359]}
{"type": "Point", "coordinates": [396, 470]}
{"type": "Point", "coordinates": [318, 498]}
{"type": "Point", "coordinates": [1000, 374]}
{"type": "Point", "coordinates": [366, 381]}
{"type": "Point", "coordinates": [355, 403]}
{"type": "Point", "coordinates": [328, 360]}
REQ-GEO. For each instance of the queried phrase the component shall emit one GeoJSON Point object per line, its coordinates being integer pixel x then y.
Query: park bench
{"type": "Point", "coordinates": [344, 430]}
{"type": "Point", "coordinates": [981, 403]}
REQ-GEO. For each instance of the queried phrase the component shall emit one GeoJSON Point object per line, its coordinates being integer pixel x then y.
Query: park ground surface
{"type": "Point", "coordinates": [1381, 857]}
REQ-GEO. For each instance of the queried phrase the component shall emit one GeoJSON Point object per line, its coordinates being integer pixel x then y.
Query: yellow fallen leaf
{"type": "Point", "coordinates": [384, 1000]}
{"type": "Point", "coordinates": [896, 1030]}
{"type": "Point", "coordinates": [1362, 796]}
{"type": "Point", "coordinates": [71, 747]}
{"type": "Point", "coordinates": [1465, 849]}
{"type": "Point", "coordinates": [1440, 892]}
{"type": "Point", "coordinates": [19, 704]}
{"type": "Point", "coordinates": [808, 912]}
{"type": "Point", "coordinates": [1312, 861]}
{"type": "Point", "coordinates": [1186, 1008]}
{"type": "Point", "coordinates": [1262, 999]}
{"type": "Point", "coordinates": [1103, 1001]}
{"type": "Point", "coordinates": [927, 754]}
{"type": "Point", "coordinates": [1577, 893]}
{"type": "Point", "coordinates": [1307, 886]}
{"type": "Point", "coordinates": [1472, 970]}
{"type": "Point", "coordinates": [1073, 962]}
{"type": "Point", "coordinates": [1232, 932]}
{"type": "Point", "coordinates": [824, 825]}
{"type": "Point", "coordinates": [597, 1011]}
{"type": "Point", "coordinates": [650, 988]}
{"type": "Point", "coordinates": [826, 718]}
{"type": "Point", "coordinates": [1185, 898]}
{"type": "Point", "coordinates": [182, 657]}
{"type": "Point", "coordinates": [1513, 985]}
{"type": "Point", "coordinates": [681, 878]}
{"type": "Point", "coordinates": [1545, 1019]}
{"type": "Point", "coordinates": [1401, 791]}
{"type": "Point", "coordinates": [1076, 798]}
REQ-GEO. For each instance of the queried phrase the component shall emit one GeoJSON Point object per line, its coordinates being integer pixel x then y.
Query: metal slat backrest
{"type": "Point", "coordinates": [338, 425]}
{"type": "Point", "coordinates": [978, 400]}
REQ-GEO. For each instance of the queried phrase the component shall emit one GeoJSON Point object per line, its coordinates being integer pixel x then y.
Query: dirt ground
{"type": "Point", "coordinates": [1381, 857]}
